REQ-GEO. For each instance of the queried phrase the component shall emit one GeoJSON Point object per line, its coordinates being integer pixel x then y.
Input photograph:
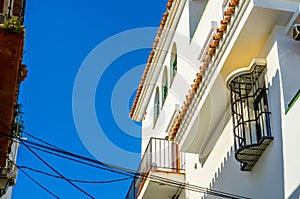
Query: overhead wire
{"type": "Point", "coordinates": [143, 175]}
{"type": "Point", "coordinates": [39, 139]}
{"type": "Point", "coordinates": [31, 178]}
{"type": "Point", "coordinates": [75, 180]}
{"type": "Point", "coordinates": [48, 165]}
{"type": "Point", "coordinates": [123, 171]}
{"type": "Point", "coordinates": [151, 177]}
{"type": "Point", "coordinates": [53, 169]}
{"type": "Point", "coordinates": [81, 162]}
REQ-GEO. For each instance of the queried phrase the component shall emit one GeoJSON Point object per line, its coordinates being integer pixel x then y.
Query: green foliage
{"type": "Point", "coordinates": [13, 25]}
{"type": "Point", "coordinates": [18, 123]}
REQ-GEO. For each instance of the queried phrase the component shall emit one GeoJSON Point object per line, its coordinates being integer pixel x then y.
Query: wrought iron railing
{"type": "Point", "coordinates": [14, 8]}
{"type": "Point", "coordinates": [250, 116]}
{"type": "Point", "coordinates": [160, 155]}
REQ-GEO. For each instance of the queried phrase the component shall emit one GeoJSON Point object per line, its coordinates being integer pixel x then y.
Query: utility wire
{"type": "Point", "coordinates": [158, 179]}
{"type": "Point", "coordinates": [47, 143]}
{"type": "Point", "coordinates": [31, 178]}
{"type": "Point", "coordinates": [144, 175]}
{"type": "Point", "coordinates": [82, 162]}
{"type": "Point", "coordinates": [122, 170]}
{"type": "Point", "coordinates": [153, 178]}
{"type": "Point", "coordinates": [44, 188]}
{"type": "Point", "coordinates": [74, 180]}
{"type": "Point", "coordinates": [48, 165]}
{"type": "Point", "coordinates": [53, 169]}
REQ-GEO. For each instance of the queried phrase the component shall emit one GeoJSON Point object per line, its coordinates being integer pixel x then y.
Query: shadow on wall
{"type": "Point", "coordinates": [295, 194]}
{"type": "Point", "coordinates": [228, 161]}
{"type": "Point", "coordinates": [259, 182]}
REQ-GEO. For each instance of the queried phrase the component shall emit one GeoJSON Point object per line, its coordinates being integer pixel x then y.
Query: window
{"type": "Point", "coordinates": [174, 65]}
{"type": "Point", "coordinates": [156, 104]}
{"type": "Point", "coordinates": [250, 115]}
{"type": "Point", "coordinates": [173, 62]}
{"type": "Point", "coordinates": [164, 85]}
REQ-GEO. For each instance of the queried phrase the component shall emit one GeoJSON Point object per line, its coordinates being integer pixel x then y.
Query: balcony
{"type": "Point", "coordinates": [12, 8]}
{"type": "Point", "coordinates": [162, 165]}
{"type": "Point", "coordinates": [250, 114]}
{"type": "Point", "coordinates": [232, 43]}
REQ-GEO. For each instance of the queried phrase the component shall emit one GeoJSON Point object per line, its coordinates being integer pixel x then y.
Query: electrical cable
{"type": "Point", "coordinates": [135, 174]}
{"type": "Point", "coordinates": [48, 165]}
{"type": "Point", "coordinates": [31, 178]}
{"type": "Point", "coordinates": [81, 162]}
{"type": "Point", "coordinates": [53, 169]}
{"type": "Point", "coordinates": [44, 188]}
{"type": "Point", "coordinates": [80, 157]}
{"type": "Point", "coordinates": [151, 177]}
{"type": "Point", "coordinates": [154, 178]}
{"type": "Point", "coordinates": [47, 143]}
{"type": "Point", "coordinates": [74, 180]}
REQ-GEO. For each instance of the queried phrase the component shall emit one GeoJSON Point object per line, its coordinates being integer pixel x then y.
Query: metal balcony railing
{"type": "Point", "coordinates": [160, 155]}
{"type": "Point", "coordinates": [14, 8]}
{"type": "Point", "coordinates": [250, 116]}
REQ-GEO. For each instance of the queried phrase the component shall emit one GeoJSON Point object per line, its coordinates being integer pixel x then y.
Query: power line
{"type": "Point", "coordinates": [75, 180]}
{"type": "Point", "coordinates": [82, 162]}
{"type": "Point", "coordinates": [79, 161]}
{"type": "Point", "coordinates": [31, 178]}
{"type": "Point", "coordinates": [53, 169]}
{"type": "Point", "coordinates": [47, 143]}
{"type": "Point", "coordinates": [151, 177]}
{"type": "Point", "coordinates": [135, 174]}
{"type": "Point", "coordinates": [123, 171]}
{"type": "Point", "coordinates": [44, 188]}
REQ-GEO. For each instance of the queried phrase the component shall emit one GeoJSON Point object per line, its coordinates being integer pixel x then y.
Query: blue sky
{"type": "Point", "coordinates": [60, 35]}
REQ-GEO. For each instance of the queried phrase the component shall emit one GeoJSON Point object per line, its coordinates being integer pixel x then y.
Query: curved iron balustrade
{"type": "Point", "coordinates": [251, 116]}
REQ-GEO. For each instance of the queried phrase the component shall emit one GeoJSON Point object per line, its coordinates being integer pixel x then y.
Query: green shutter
{"type": "Point", "coordinates": [175, 64]}
{"type": "Point", "coordinates": [165, 91]}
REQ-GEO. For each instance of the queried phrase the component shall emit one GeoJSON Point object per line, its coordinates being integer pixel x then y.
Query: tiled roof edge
{"type": "Point", "coordinates": [199, 76]}
{"type": "Point", "coordinates": [150, 58]}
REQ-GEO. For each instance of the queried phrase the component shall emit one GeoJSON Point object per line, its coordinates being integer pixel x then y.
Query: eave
{"type": "Point", "coordinates": [248, 27]}
{"type": "Point", "coordinates": [157, 55]}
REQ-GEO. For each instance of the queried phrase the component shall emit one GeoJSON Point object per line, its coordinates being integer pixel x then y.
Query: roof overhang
{"type": "Point", "coordinates": [161, 50]}
{"type": "Point", "coordinates": [243, 40]}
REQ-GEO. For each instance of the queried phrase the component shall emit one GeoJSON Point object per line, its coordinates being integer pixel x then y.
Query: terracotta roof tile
{"type": "Point", "coordinates": [226, 20]}
{"type": "Point", "coordinates": [169, 4]}
{"type": "Point", "coordinates": [151, 56]}
{"type": "Point", "coordinates": [218, 36]}
{"type": "Point", "coordinates": [211, 51]}
{"type": "Point", "coordinates": [222, 28]}
{"type": "Point", "coordinates": [214, 44]}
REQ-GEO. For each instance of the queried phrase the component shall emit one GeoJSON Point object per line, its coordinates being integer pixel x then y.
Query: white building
{"type": "Point", "coordinates": [220, 91]}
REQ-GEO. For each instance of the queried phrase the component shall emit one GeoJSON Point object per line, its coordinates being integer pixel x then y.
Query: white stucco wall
{"type": "Point", "coordinates": [276, 174]}
{"type": "Point", "coordinates": [291, 129]}
{"type": "Point", "coordinates": [187, 66]}
{"type": "Point", "coordinates": [289, 61]}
